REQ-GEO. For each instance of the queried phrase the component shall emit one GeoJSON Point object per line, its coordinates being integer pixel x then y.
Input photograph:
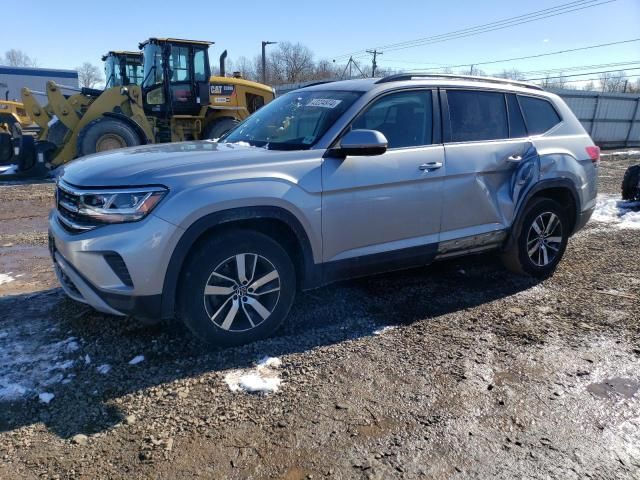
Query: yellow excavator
{"type": "Point", "coordinates": [13, 117]}
{"type": "Point", "coordinates": [177, 100]}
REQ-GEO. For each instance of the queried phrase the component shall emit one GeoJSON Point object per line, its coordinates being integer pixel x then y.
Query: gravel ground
{"type": "Point", "coordinates": [459, 370]}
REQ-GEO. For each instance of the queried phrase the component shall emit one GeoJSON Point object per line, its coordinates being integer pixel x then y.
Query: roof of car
{"type": "Point", "coordinates": [366, 84]}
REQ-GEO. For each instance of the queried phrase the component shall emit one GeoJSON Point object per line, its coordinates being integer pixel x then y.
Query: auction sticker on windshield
{"type": "Point", "coordinates": [324, 102]}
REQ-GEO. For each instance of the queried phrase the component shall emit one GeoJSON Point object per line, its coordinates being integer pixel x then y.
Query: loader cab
{"type": "Point", "coordinates": [122, 68]}
{"type": "Point", "coordinates": [176, 76]}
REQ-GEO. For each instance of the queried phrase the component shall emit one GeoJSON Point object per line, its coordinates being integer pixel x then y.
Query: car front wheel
{"type": "Point", "coordinates": [542, 239]}
{"type": "Point", "coordinates": [236, 288]}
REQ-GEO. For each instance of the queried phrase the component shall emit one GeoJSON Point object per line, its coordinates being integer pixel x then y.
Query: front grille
{"type": "Point", "coordinates": [68, 205]}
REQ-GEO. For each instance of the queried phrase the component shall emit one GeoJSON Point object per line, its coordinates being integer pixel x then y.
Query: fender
{"type": "Point", "coordinates": [564, 183]}
{"type": "Point", "coordinates": [311, 276]}
{"type": "Point", "coordinates": [120, 116]}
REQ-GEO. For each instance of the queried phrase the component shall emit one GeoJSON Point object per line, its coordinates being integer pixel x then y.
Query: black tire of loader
{"type": "Point", "coordinates": [631, 184]}
{"type": "Point", "coordinates": [91, 133]}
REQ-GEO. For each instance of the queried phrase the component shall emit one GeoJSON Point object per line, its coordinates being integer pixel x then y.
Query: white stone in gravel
{"type": "Point", "coordinates": [104, 368]}
{"type": "Point", "coordinates": [46, 397]}
{"type": "Point", "coordinates": [136, 360]}
{"type": "Point", "coordinates": [385, 329]}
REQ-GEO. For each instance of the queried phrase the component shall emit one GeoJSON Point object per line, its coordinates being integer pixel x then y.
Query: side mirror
{"type": "Point", "coordinates": [362, 143]}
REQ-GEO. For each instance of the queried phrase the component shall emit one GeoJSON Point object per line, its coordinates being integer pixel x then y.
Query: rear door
{"type": "Point", "coordinates": [485, 138]}
{"type": "Point", "coordinates": [374, 206]}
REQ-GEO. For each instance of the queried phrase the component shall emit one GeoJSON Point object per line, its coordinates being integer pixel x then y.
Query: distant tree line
{"type": "Point", "coordinates": [289, 62]}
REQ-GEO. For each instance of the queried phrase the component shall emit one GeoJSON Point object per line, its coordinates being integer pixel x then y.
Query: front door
{"type": "Point", "coordinates": [385, 209]}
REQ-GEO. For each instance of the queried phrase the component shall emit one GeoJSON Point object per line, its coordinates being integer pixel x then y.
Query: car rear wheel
{"type": "Point", "coordinates": [542, 239]}
{"type": "Point", "coordinates": [236, 288]}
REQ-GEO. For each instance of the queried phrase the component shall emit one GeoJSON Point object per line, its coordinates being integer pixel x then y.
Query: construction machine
{"type": "Point", "coordinates": [177, 100]}
{"type": "Point", "coordinates": [13, 117]}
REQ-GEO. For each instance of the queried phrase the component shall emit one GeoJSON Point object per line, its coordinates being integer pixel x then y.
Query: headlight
{"type": "Point", "coordinates": [119, 206]}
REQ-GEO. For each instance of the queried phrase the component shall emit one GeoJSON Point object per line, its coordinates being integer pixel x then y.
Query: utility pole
{"type": "Point", "coordinates": [264, 60]}
{"type": "Point", "coordinates": [471, 70]}
{"type": "Point", "coordinates": [374, 65]}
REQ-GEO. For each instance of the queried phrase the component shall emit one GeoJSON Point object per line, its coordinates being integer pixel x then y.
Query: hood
{"type": "Point", "coordinates": [165, 164]}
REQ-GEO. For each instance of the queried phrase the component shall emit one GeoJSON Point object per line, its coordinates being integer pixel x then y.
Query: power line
{"type": "Point", "coordinates": [492, 26]}
{"type": "Point", "coordinates": [579, 67]}
{"type": "Point", "coordinates": [557, 52]}
{"type": "Point", "coordinates": [582, 74]}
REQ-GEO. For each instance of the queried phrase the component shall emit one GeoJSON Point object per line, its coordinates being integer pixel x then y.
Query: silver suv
{"type": "Point", "coordinates": [328, 182]}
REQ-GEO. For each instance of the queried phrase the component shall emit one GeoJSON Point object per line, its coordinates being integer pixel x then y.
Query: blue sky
{"type": "Point", "coordinates": [329, 28]}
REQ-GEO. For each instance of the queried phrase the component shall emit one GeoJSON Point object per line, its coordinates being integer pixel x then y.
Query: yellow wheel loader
{"type": "Point", "coordinates": [178, 100]}
{"type": "Point", "coordinates": [13, 117]}
{"type": "Point", "coordinates": [21, 157]}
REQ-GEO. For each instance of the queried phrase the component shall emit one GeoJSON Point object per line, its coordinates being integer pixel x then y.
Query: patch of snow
{"type": "Point", "coordinates": [136, 360]}
{"type": "Point", "coordinates": [264, 378]}
{"type": "Point", "coordinates": [613, 211]}
{"type": "Point", "coordinates": [87, 360]}
{"type": "Point", "coordinates": [46, 397]}
{"type": "Point", "coordinates": [6, 278]}
{"type": "Point", "coordinates": [623, 153]}
{"type": "Point", "coordinates": [104, 368]}
{"type": "Point", "coordinates": [383, 330]}
{"type": "Point", "coordinates": [31, 358]}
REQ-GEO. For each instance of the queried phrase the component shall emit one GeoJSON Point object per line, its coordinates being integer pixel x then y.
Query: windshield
{"type": "Point", "coordinates": [294, 121]}
{"type": "Point", "coordinates": [134, 73]}
{"type": "Point", "coordinates": [112, 72]}
{"type": "Point", "coordinates": [152, 65]}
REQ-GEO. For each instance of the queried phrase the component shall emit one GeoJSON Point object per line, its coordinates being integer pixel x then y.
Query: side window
{"type": "Point", "coordinates": [516, 122]}
{"type": "Point", "coordinates": [199, 67]}
{"type": "Point", "coordinates": [477, 115]}
{"type": "Point", "coordinates": [405, 118]}
{"type": "Point", "coordinates": [539, 114]}
{"type": "Point", "coordinates": [178, 62]}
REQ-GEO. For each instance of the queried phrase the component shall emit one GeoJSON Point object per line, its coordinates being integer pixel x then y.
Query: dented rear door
{"type": "Point", "coordinates": [484, 166]}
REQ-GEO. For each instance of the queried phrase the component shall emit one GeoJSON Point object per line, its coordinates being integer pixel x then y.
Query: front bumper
{"type": "Point", "coordinates": [82, 265]}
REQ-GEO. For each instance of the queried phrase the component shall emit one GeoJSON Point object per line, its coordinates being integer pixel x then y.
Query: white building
{"type": "Point", "coordinates": [12, 79]}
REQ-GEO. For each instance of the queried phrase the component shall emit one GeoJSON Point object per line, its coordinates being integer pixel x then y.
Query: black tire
{"type": "Point", "coordinates": [518, 258]}
{"type": "Point", "coordinates": [206, 315]}
{"type": "Point", "coordinates": [105, 134]}
{"type": "Point", "coordinates": [217, 128]}
{"type": "Point", "coordinates": [631, 184]}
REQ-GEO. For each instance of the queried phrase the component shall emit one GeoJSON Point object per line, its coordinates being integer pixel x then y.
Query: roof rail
{"type": "Point", "coordinates": [398, 77]}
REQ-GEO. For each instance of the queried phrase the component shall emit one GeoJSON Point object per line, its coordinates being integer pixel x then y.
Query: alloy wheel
{"type": "Point", "coordinates": [242, 292]}
{"type": "Point", "coordinates": [544, 239]}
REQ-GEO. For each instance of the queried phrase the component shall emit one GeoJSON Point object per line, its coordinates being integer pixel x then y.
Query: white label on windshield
{"type": "Point", "coordinates": [324, 102]}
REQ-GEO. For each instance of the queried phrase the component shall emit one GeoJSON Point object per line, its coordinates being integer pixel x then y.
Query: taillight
{"type": "Point", "coordinates": [594, 154]}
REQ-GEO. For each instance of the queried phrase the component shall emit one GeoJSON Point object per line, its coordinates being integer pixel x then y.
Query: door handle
{"type": "Point", "coordinates": [514, 158]}
{"type": "Point", "coordinates": [429, 166]}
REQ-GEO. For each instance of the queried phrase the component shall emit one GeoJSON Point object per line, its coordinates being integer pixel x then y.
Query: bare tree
{"type": "Point", "coordinates": [558, 81]}
{"type": "Point", "coordinates": [246, 68]}
{"type": "Point", "coordinates": [613, 82]}
{"type": "Point", "coordinates": [291, 63]}
{"type": "Point", "coordinates": [513, 74]}
{"type": "Point", "coordinates": [589, 86]}
{"type": "Point", "coordinates": [325, 70]}
{"type": "Point", "coordinates": [89, 75]}
{"type": "Point", "coordinates": [17, 58]}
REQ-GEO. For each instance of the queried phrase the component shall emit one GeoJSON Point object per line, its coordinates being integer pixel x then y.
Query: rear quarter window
{"type": "Point", "coordinates": [539, 114]}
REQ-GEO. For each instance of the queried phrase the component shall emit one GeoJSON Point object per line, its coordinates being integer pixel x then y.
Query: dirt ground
{"type": "Point", "coordinates": [478, 374]}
